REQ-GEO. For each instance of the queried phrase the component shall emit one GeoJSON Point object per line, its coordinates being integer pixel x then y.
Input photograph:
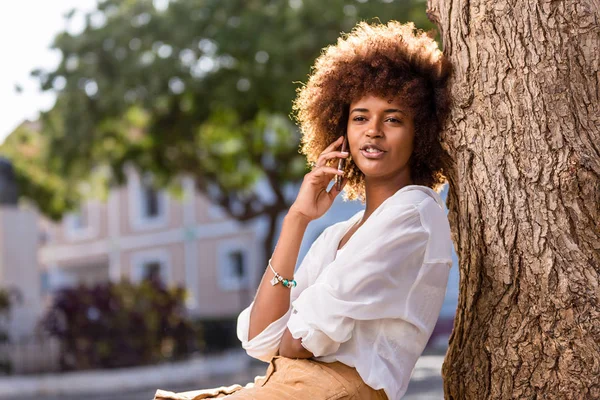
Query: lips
{"type": "Point", "coordinates": [373, 156]}
{"type": "Point", "coordinates": [365, 146]}
{"type": "Point", "coordinates": [376, 151]}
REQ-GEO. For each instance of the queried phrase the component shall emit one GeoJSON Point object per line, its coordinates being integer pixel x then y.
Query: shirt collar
{"type": "Point", "coordinates": [425, 189]}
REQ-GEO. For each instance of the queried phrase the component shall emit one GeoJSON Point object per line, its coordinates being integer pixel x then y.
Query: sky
{"type": "Point", "coordinates": [27, 28]}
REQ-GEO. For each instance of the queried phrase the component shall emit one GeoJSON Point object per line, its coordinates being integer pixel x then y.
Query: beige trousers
{"type": "Point", "coordinates": [291, 379]}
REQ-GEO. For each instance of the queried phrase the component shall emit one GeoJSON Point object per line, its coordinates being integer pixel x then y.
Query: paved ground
{"type": "Point", "coordinates": [426, 384]}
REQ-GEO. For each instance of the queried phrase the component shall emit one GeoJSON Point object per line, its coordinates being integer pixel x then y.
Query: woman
{"type": "Point", "coordinates": [351, 323]}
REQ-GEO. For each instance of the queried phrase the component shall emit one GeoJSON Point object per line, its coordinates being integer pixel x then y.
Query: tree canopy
{"type": "Point", "coordinates": [199, 87]}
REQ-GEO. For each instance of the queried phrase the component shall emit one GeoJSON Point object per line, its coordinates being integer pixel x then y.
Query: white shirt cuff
{"type": "Point", "coordinates": [313, 340]}
{"type": "Point", "coordinates": [266, 344]}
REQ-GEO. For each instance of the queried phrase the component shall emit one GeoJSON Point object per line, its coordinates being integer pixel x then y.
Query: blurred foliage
{"type": "Point", "coordinates": [39, 176]}
{"type": "Point", "coordinates": [116, 325]}
{"type": "Point", "coordinates": [27, 149]}
{"type": "Point", "coordinates": [202, 87]}
{"type": "Point", "coordinates": [8, 298]}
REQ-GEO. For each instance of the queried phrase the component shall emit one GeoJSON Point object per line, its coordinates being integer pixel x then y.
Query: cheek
{"type": "Point", "coordinates": [403, 147]}
{"type": "Point", "coordinates": [408, 139]}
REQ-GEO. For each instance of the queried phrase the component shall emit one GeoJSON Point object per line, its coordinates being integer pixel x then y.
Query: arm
{"type": "Point", "coordinates": [313, 200]}
{"type": "Point", "coordinates": [272, 302]}
{"type": "Point", "coordinates": [262, 325]}
{"type": "Point", "coordinates": [292, 348]}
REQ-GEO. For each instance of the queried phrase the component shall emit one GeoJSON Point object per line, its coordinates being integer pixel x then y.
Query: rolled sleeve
{"type": "Point", "coordinates": [312, 339]}
{"type": "Point", "coordinates": [266, 344]}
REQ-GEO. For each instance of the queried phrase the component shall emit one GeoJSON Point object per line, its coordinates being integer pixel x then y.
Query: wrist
{"type": "Point", "coordinates": [297, 217]}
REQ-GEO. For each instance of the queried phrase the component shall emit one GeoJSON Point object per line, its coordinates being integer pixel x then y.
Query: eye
{"type": "Point", "coordinates": [394, 120]}
{"type": "Point", "coordinates": [359, 118]}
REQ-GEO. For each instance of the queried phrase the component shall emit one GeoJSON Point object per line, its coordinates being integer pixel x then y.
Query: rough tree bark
{"type": "Point", "coordinates": [524, 197]}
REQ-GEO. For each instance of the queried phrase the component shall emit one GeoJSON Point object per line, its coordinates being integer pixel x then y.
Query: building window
{"type": "Point", "coordinates": [151, 271]}
{"type": "Point", "coordinates": [238, 266]}
{"type": "Point", "coordinates": [55, 279]}
{"type": "Point", "coordinates": [150, 201]}
{"type": "Point", "coordinates": [79, 219]}
{"type": "Point", "coordinates": [83, 223]}
{"type": "Point", "coordinates": [45, 283]}
{"type": "Point", "coordinates": [147, 204]}
{"type": "Point", "coordinates": [233, 266]}
{"type": "Point", "coordinates": [151, 265]}
{"type": "Point", "coordinates": [45, 236]}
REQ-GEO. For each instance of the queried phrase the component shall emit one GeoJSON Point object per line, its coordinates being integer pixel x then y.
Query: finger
{"type": "Point", "coordinates": [333, 145]}
{"type": "Point", "coordinates": [329, 149]}
{"type": "Point", "coordinates": [328, 156]}
{"type": "Point", "coordinates": [326, 171]}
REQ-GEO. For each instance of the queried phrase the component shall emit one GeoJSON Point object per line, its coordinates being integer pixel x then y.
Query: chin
{"type": "Point", "coordinates": [374, 173]}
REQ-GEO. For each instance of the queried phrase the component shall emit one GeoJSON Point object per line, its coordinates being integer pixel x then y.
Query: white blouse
{"type": "Point", "coordinates": [374, 304]}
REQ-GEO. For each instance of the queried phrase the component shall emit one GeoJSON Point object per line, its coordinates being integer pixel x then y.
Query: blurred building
{"type": "Point", "coordinates": [19, 271]}
{"type": "Point", "coordinates": [141, 232]}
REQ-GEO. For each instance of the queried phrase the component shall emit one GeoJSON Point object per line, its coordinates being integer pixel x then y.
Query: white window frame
{"type": "Point", "coordinates": [226, 280]}
{"type": "Point", "coordinates": [137, 220]}
{"type": "Point", "coordinates": [76, 233]}
{"type": "Point", "coordinates": [140, 259]}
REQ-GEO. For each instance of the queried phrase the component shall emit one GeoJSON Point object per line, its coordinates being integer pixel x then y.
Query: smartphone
{"type": "Point", "coordinates": [341, 164]}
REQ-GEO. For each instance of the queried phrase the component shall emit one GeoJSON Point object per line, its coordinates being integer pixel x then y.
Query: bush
{"type": "Point", "coordinates": [116, 325]}
{"type": "Point", "coordinates": [8, 298]}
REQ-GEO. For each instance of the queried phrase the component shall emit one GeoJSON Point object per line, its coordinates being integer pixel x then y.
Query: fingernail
{"type": "Point", "coordinates": [344, 153]}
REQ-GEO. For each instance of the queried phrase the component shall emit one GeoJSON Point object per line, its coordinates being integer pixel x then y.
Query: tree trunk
{"type": "Point", "coordinates": [524, 197]}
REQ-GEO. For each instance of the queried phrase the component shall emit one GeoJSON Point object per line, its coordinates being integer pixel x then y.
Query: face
{"type": "Point", "coordinates": [380, 136]}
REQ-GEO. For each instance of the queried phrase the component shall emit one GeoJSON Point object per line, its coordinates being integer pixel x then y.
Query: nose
{"type": "Point", "coordinates": [374, 130]}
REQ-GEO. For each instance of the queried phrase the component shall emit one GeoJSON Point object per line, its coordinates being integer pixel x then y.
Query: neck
{"type": "Point", "coordinates": [377, 190]}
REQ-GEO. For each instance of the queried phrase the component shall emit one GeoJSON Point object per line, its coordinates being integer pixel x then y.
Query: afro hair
{"type": "Point", "coordinates": [392, 60]}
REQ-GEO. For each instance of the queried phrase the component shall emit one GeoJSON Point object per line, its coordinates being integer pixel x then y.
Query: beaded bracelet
{"type": "Point", "coordinates": [289, 283]}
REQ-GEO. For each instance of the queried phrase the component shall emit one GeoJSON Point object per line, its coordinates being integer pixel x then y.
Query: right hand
{"type": "Point", "coordinates": [313, 198]}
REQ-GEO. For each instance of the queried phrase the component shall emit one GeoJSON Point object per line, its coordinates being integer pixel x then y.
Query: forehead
{"type": "Point", "coordinates": [375, 103]}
